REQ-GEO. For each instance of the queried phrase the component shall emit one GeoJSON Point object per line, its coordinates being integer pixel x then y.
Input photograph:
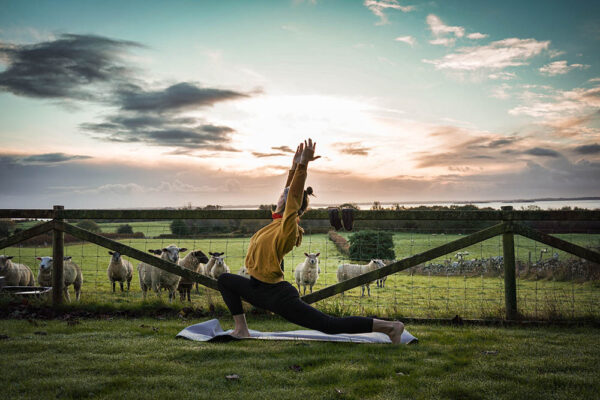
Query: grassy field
{"type": "Point", "coordinates": [148, 228]}
{"type": "Point", "coordinates": [405, 294]}
{"type": "Point", "coordinates": [129, 358]}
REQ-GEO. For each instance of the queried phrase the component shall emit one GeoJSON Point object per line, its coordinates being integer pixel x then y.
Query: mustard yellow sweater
{"type": "Point", "coordinates": [268, 246]}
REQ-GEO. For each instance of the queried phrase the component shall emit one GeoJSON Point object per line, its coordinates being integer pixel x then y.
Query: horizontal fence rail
{"type": "Point", "coordinates": [408, 215]}
{"type": "Point", "coordinates": [510, 223]}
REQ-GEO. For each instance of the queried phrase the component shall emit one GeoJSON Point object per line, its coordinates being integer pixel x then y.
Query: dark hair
{"type": "Point", "coordinates": [305, 201]}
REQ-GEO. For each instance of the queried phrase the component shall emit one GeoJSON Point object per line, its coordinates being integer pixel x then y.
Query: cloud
{"type": "Point", "coordinates": [264, 155]}
{"type": "Point", "coordinates": [560, 68]}
{"type": "Point", "coordinates": [477, 35]}
{"type": "Point", "coordinates": [587, 149]}
{"type": "Point", "coordinates": [410, 40]}
{"type": "Point", "coordinates": [290, 28]}
{"type": "Point", "coordinates": [69, 67]}
{"type": "Point", "coordinates": [353, 149]}
{"type": "Point", "coordinates": [502, 75]}
{"type": "Point", "coordinates": [500, 92]}
{"type": "Point", "coordinates": [174, 186]}
{"type": "Point", "coordinates": [110, 184]}
{"type": "Point", "coordinates": [479, 151]}
{"type": "Point", "coordinates": [378, 7]}
{"type": "Point", "coordinates": [448, 42]}
{"type": "Point", "coordinates": [542, 152]}
{"type": "Point", "coordinates": [441, 31]}
{"type": "Point", "coordinates": [438, 28]}
{"type": "Point", "coordinates": [52, 158]}
{"type": "Point", "coordinates": [284, 149]}
{"type": "Point", "coordinates": [565, 127]}
{"type": "Point", "coordinates": [74, 67]}
{"type": "Point", "coordinates": [496, 55]}
{"type": "Point", "coordinates": [562, 104]}
{"type": "Point", "coordinates": [41, 159]}
{"type": "Point", "coordinates": [177, 97]}
{"type": "Point", "coordinates": [152, 117]}
{"type": "Point", "coordinates": [182, 133]}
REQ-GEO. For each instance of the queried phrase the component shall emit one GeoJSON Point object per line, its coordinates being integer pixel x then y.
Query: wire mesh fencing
{"type": "Point", "coordinates": [551, 284]}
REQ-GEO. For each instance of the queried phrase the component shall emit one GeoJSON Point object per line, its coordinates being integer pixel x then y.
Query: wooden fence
{"type": "Point", "coordinates": [509, 223]}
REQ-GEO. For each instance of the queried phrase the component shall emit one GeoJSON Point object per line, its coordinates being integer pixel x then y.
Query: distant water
{"type": "Point", "coordinates": [523, 205]}
{"type": "Point", "coordinates": [517, 205]}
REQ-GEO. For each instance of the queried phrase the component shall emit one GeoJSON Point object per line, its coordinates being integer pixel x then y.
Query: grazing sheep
{"type": "Point", "coordinates": [71, 275]}
{"type": "Point", "coordinates": [119, 270]}
{"type": "Point", "coordinates": [192, 262]}
{"type": "Point", "coordinates": [144, 274]}
{"type": "Point", "coordinates": [348, 271]}
{"type": "Point", "coordinates": [216, 265]}
{"type": "Point", "coordinates": [244, 272]}
{"type": "Point", "coordinates": [15, 274]}
{"type": "Point", "coordinates": [162, 279]}
{"type": "Point", "coordinates": [307, 272]}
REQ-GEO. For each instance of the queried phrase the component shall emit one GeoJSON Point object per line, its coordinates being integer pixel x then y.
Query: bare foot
{"type": "Point", "coordinates": [240, 334]}
{"type": "Point", "coordinates": [395, 332]}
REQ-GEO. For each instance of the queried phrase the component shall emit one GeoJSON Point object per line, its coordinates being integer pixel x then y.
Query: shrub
{"type": "Point", "coordinates": [125, 229]}
{"type": "Point", "coordinates": [6, 227]}
{"type": "Point", "coordinates": [89, 225]}
{"type": "Point", "coordinates": [179, 227]}
{"type": "Point", "coordinates": [368, 244]}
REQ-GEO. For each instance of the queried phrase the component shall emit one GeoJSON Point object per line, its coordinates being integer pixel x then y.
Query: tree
{"type": "Point", "coordinates": [89, 225]}
{"type": "Point", "coordinates": [369, 244]}
{"type": "Point", "coordinates": [179, 227]}
{"type": "Point", "coordinates": [125, 229]}
{"type": "Point", "coordinates": [6, 227]}
{"type": "Point", "coordinates": [212, 207]}
{"type": "Point", "coordinates": [268, 207]}
{"type": "Point", "coordinates": [376, 206]}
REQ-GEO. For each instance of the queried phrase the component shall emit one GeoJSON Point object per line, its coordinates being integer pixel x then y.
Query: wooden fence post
{"type": "Point", "coordinates": [57, 261]}
{"type": "Point", "coordinates": [510, 283]}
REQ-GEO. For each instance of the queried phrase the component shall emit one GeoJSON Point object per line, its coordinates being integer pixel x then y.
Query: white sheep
{"type": "Point", "coordinates": [349, 271]}
{"type": "Point", "coordinates": [71, 275]}
{"type": "Point", "coordinates": [162, 279]}
{"type": "Point", "coordinates": [244, 272]}
{"type": "Point", "coordinates": [307, 272]}
{"type": "Point", "coordinates": [119, 270]}
{"type": "Point", "coordinates": [144, 274]}
{"type": "Point", "coordinates": [381, 281]}
{"type": "Point", "coordinates": [15, 274]}
{"type": "Point", "coordinates": [216, 266]}
{"type": "Point", "coordinates": [192, 261]}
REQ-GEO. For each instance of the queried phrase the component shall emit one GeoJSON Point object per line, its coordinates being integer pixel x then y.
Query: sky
{"type": "Point", "coordinates": [112, 104]}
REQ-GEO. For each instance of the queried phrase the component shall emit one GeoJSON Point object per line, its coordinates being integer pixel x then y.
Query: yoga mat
{"type": "Point", "coordinates": [211, 331]}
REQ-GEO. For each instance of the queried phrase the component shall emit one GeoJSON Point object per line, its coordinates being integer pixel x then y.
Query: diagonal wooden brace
{"type": "Point", "coordinates": [555, 242]}
{"type": "Point", "coordinates": [408, 262]}
{"type": "Point", "coordinates": [137, 254]}
{"type": "Point", "coordinates": [26, 234]}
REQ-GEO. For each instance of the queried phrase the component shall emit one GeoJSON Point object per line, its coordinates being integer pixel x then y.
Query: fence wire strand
{"type": "Point", "coordinates": [469, 283]}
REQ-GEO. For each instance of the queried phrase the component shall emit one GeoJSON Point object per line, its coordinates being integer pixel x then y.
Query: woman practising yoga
{"type": "Point", "coordinates": [266, 288]}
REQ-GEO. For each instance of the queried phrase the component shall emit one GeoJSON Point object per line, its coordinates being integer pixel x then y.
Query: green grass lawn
{"type": "Point", "coordinates": [148, 228]}
{"type": "Point", "coordinates": [405, 294]}
{"type": "Point", "coordinates": [140, 358]}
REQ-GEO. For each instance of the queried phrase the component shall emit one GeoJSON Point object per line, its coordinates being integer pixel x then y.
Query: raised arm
{"type": "Point", "coordinates": [295, 162]}
{"type": "Point", "coordinates": [294, 199]}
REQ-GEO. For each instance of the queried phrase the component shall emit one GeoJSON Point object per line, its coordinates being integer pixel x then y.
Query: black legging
{"type": "Point", "coordinates": [283, 299]}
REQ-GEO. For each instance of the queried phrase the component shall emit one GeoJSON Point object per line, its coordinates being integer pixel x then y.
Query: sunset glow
{"type": "Point", "coordinates": [151, 104]}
